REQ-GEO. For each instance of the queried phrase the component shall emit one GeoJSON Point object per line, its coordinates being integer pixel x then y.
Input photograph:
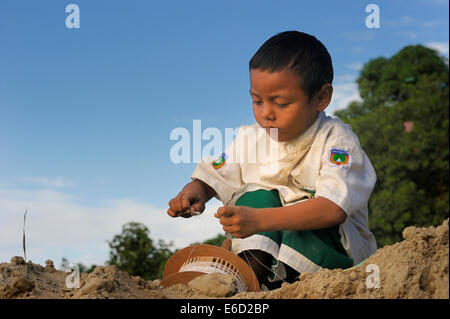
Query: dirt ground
{"type": "Point", "coordinates": [416, 267]}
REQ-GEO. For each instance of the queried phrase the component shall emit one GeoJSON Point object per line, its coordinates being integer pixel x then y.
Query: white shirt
{"type": "Point", "coordinates": [326, 160]}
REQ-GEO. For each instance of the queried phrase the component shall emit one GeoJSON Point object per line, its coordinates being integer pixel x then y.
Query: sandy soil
{"type": "Point", "coordinates": [416, 267]}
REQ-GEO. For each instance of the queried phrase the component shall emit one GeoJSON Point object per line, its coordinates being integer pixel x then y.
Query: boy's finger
{"type": "Point", "coordinates": [230, 229]}
{"type": "Point", "coordinates": [198, 207]}
{"type": "Point", "coordinates": [224, 211]}
{"type": "Point", "coordinates": [185, 201]}
{"type": "Point", "coordinates": [219, 212]}
{"type": "Point", "coordinates": [225, 221]}
{"type": "Point", "coordinates": [171, 213]}
{"type": "Point", "coordinates": [175, 204]}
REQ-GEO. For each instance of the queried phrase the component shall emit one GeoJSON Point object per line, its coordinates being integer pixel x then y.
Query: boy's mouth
{"type": "Point", "coordinates": [269, 131]}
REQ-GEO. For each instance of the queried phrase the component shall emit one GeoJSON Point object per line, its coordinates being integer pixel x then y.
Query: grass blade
{"type": "Point", "coordinates": [23, 238]}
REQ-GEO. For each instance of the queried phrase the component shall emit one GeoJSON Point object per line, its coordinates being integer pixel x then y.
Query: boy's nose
{"type": "Point", "coordinates": [267, 112]}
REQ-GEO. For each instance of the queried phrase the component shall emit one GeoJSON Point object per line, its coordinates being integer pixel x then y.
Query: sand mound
{"type": "Point", "coordinates": [416, 267]}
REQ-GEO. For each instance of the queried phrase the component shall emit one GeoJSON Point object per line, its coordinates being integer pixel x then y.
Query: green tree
{"type": "Point", "coordinates": [402, 124]}
{"type": "Point", "coordinates": [135, 252]}
{"type": "Point", "coordinates": [83, 268]}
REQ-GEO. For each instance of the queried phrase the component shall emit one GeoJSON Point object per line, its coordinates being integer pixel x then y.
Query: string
{"type": "Point", "coordinates": [262, 264]}
{"type": "Point", "coordinates": [254, 278]}
{"type": "Point", "coordinates": [192, 251]}
{"type": "Point", "coordinates": [227, 235]}
{"type": "Point", "coordinates": [248, 263]}
{"type": "Point", "coordinates": [194, 214]}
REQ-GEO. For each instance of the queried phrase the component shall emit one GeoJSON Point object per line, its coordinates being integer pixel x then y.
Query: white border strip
{"type": "Point", "coordinates": [256, 241]}
{"type": "Point", "coordinates": [296, 260]}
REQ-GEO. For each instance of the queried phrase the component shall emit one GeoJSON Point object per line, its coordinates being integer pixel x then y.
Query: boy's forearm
{"type": "Point", "coordinates": [311, 214]}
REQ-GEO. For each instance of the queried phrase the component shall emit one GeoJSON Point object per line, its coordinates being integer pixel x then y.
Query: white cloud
{"type": "Point", "coordinates": [357, 66]}
{"type": "Point", "coordinates": [438, 2]}
{"type": "Point", "coordinates": [402, 21]}
{"type": "Point", "coordinates": [408, 21]}
{"type": "Point", "coordinates": [47, 182]}
{"type": "Point", "coordinates": [357, 50]}
{"type": "Point", "coordinates": [345, 90]}
{"type": "Point", "coordinates": [435, 23]}
{"type": "Point", "coordinates": [441, 47]}
{"type": "Point", "coordinates": [59, 226]}
{"type": "Point", "coordinates": [364, 35]}
{"type": "Point", "coordinates": [406, 34]}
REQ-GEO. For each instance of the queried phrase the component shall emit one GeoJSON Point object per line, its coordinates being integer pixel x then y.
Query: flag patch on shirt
{"type": "Point", "coordinates": [339, 157]}
{"type": "Point", "coordinates": [220, 161]}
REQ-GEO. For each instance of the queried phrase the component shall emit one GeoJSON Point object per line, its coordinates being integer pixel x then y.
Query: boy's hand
{"type": "Point", "coordinates": [186, 204]}
{"type": "Point", "coordinates": [239, 221]}
{"type": "Point", "coordinates": [190, 201]}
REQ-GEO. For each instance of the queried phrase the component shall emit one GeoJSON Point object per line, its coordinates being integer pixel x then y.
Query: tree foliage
{"type": "Point", "coordinates": [65, 264]}
{"type": "Point", "coordinates": [135, 252]}
{"type": "Point", "coordinates": [402, 124]}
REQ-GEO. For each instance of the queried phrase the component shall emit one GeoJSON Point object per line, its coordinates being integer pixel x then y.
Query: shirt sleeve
{"type": "Point", "coordinates": [347, 176]}
{"type": "Point", "coordinates": [223, 173]}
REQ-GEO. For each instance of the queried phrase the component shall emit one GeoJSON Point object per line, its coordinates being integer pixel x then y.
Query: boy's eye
{"type": "Point", "coordinates": [257, 102]}
{"type": "Point", "coordinates": [281, 102]}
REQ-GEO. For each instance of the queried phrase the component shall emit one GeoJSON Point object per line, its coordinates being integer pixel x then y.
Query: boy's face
{"type": "Point", "coordinates": [280, 102]}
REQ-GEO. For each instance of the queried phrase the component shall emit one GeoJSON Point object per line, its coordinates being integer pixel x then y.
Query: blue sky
{"type": "Point", "coordinates": [86, 114]}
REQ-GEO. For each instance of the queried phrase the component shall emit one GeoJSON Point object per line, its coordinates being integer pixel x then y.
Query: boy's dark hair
{"type": "Point", "coordinates": [300, 52]}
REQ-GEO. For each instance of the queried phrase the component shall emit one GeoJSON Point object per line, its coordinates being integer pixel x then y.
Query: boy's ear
{"type": "Point", "coordinates": [324, 97]}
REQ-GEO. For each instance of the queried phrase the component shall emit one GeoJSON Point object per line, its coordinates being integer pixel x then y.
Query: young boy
{"type": "Point", "coordinates": [309, 210]}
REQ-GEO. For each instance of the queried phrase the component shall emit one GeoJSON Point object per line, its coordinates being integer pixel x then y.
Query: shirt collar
{"type": "Point", "coordinates": [306, 138]}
